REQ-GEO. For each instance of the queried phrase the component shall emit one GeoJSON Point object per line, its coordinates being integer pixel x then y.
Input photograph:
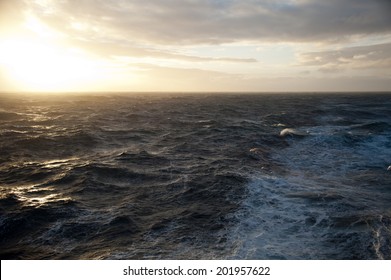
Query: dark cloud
{"type": "Point", "coordinates": [207, 22]}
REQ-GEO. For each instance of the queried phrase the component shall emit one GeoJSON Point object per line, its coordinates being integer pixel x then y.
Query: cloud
{"type": "Point", "coordinates": [362, 57]}
{"type": "Point", "coordinates": [128, 49]}
{"type": "Point", "coordinates": [186, 22]}
{"type": "Point", "coordinates": [177, 36]}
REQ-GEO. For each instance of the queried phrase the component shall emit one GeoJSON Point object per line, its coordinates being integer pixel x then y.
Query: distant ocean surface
{"type": "Point", "coordinates": [195, 176]}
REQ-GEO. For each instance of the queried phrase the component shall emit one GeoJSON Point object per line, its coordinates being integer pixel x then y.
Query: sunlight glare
{"type": "Point", "coordinates": [34, 65]}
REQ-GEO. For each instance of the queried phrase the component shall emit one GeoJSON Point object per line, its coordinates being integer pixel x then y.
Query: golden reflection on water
{"type": "Point", "coordinates": [37, 195]}
{"type": "Point", "coordinates": [58, 162]}
{"type": "Point", "coordinates": [33, 195]}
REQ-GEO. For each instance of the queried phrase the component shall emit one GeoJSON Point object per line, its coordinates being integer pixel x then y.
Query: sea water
{"type": "Point", "coordinates": [195, 176]}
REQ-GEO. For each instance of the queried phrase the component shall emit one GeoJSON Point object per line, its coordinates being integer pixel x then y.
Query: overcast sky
{"type": "Point", "coordinates": [195, 45]}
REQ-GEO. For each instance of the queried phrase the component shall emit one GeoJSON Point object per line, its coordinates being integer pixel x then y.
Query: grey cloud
{"type": "Point", "coordinates": [207, 22]}
{"type": "Point", "coordinates": [363, 57]}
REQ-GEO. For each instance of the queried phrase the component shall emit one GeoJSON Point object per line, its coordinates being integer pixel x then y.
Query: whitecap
{"type": "Point", "coordinates": [292, 132]}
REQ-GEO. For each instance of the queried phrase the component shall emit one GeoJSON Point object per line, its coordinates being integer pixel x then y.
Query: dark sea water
{"type": "Point", "coordinates": [230, 176]}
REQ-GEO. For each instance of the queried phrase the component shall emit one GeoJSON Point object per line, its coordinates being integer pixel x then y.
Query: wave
{"type": "Point", "coordinates": [195, 177]}
{"type": "Point", "coordinates": [292, 132]}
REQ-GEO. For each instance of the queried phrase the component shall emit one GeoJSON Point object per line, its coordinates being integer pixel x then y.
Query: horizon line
{"type": "Point", "coordinates": [192, 92]}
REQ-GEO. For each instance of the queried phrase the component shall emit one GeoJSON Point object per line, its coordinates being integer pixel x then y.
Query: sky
{"type": "Point", "coordinates": [195, 45]}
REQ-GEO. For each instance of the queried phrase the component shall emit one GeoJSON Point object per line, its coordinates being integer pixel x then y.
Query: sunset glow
{"type": "Point", "coordinates": [195, 46]}
{"type": "Point", "coordinates": [36, 66]}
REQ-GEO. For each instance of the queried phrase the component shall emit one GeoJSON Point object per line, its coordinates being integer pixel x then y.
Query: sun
{"type": "Point", "coordinates": [41, 66]}
{"type": "Point", "coordinates": [36, 56]}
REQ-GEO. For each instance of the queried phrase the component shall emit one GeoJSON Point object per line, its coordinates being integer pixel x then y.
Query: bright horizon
{"type": "Point", "coordinates": [195, 46]}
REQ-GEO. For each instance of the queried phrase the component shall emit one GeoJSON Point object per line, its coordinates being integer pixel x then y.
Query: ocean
{"type": "Point", "coordinates": [195, 176]}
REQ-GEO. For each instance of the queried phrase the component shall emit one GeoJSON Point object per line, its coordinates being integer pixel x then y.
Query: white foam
{"type": "Point", "coordinates": [291, 131]}
{"type": "Point", "coordinates": [274, 224]}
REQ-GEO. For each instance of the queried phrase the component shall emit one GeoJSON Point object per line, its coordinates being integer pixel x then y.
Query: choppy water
{"type": "Point", "coordinates": [294, 176]}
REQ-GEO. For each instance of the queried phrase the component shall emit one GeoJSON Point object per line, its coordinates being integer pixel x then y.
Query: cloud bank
{"type": "Point", "coordinates": [363, 57]}
{"type": "Point", "coordinates": [220, 44]}
{"type": "Point", "coordinates": [178, 22]}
